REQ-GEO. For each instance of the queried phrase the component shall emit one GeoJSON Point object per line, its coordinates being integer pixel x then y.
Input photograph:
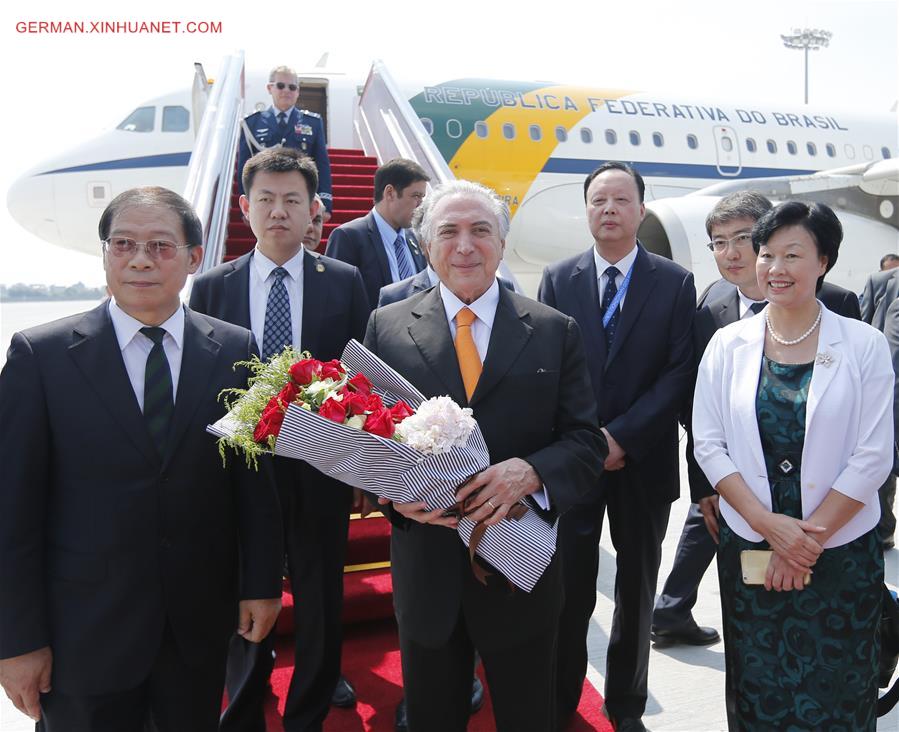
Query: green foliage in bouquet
{"type": "Point", "coordinates": [246, 406]}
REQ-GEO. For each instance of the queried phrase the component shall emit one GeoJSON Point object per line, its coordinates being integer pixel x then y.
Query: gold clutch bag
{"type": "Point", "coordinates": [754, 563]}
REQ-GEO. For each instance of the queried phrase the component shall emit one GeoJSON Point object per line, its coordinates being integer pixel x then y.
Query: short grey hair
{"type": "Point", "coordinates": [739, 205]}
{"type": "Point", "coordinates": [286, 70]}
{"type": "Point", "coordinates": [423, 218]}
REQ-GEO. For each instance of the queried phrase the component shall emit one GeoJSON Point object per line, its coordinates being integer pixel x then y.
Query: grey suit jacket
{"type": "Point", "coordinates": [880, 291]}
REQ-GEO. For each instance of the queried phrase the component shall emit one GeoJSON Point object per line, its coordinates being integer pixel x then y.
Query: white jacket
{"type": "Point", "coordinates": [848, 421]}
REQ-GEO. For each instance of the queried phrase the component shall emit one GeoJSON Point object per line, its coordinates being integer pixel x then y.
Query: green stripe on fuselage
{"type": "Point", "coordinates": [468, 101]}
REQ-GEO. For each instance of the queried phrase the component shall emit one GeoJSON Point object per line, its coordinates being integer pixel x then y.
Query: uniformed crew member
{"type": "Point", "coordinates": [284, 124]}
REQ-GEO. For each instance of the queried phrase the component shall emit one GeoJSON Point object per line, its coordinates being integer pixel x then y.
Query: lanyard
{"type": "Point", "coordinates": [613, 306]}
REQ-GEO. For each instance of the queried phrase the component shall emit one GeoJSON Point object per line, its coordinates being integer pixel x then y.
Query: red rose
{"type": "Point", "coordinates": [355, 403]}
{"type": "Point", "coordinates": [374, 403]}
{"type": "Point", "coordinates": [303, 371]}
{"type": "Point", "coordinates": [288, 394]}
{"type": "Point", "coordinates": [360, 384]}
{"type": "Point", "coordinates": [333, 410]}
{"type": "Point", "coordinates": [400, 411]}
{"type": "Point", "coordinates": [269, 424]}
{"type": "Point", "coordinates": [380, 423]}
{"type": "Point", "coordinates": [332, 369]}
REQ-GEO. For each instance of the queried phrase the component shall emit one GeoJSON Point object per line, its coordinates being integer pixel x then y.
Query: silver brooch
{"type": "Point", "coordinates": [823, 359]}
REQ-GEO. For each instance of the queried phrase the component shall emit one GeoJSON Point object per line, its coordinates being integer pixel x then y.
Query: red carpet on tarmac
{"type": "Point", "coordinates": [371, 661]}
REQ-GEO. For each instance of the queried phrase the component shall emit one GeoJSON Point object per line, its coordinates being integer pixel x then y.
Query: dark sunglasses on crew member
{"type": "Point", "coordinates": [281, 85]}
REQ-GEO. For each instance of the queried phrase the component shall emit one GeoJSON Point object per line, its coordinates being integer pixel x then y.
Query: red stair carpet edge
{"type": "Point", "coordinates": [371, 661]}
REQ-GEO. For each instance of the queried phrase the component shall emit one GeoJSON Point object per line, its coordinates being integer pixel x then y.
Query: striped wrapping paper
{"type": "Point", "coordinates": [520, 550]}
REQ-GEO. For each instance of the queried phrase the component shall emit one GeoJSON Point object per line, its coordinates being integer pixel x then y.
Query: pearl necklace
{"type": "Point", "coordinates": [784, 341]}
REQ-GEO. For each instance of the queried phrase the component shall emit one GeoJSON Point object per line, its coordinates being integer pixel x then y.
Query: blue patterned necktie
{"type": "Point", "coordinates": [404, 269]}
{"type": "Point", "coordinates": [277, 332]}
{"type": "Point", "coordinates": [757, 307]}
{"type": "Point", "coordinates": [607, 296]}
{"type": "Point", "coordinates": [159, 404]}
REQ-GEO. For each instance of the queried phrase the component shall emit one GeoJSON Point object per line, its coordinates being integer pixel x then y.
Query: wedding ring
{"type": "Point", "coordinates": [491, 504]}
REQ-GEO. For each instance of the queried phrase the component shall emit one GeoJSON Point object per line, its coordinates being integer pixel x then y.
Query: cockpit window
{"type": "Point", "coordinates": [175, 119]}
{"type": "Point", "coordinates": [140, 120]}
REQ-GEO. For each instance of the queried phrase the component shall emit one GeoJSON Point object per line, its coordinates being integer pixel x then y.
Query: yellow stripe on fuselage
{"type": "Point", "coordinates": [510, 166]}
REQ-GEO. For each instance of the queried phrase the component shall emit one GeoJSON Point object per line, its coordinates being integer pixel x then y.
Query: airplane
{"type": "Point", "coordinates": [534, 143]}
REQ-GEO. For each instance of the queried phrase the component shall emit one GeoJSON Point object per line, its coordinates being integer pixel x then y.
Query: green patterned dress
{"type": "Point", "coordinates": [800, 660]}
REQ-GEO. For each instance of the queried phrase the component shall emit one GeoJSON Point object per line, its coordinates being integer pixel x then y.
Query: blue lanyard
{"type": "Point", "coordinates": [613, 306]}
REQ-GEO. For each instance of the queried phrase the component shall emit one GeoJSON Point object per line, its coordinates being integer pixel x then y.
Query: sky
{"type": "Point", "coordinates": [60, 90]}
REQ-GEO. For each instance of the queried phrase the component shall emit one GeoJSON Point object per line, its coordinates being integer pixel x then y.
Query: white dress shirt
{"type": "Point", "coordinates": [261, 280]}
{"type": "Point", "coordinates": [624, 266]}
{"type": "Point", "coordinates": [848, 444]}
{"type": "Point", "coordinates": [136, 347]}
{"type": "Point", "coordinates": [485, 310]}
{"type": "Point", "coordinates": [746, 303]}
{"type": "Point", "coordinates": [388, 237]}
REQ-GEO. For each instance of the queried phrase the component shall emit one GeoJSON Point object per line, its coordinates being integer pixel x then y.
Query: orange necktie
{"type": "Point", "coordinates": [466, 352]}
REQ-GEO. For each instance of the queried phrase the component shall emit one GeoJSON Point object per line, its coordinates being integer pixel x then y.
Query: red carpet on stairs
{"type": "Point", "coordinates": [371, 661]}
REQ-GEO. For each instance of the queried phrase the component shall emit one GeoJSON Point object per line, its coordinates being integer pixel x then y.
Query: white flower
{"type": "Point", "coordinates": [438, 426]}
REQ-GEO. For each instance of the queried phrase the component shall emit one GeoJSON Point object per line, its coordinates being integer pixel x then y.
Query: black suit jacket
{"type": "Point", "coordinates": [532, 401]}
{"type": "Point", "coordinates": [335, 309]}
{"type": "Point", "coordinates": [891, 331]}
{"type": "Point", "coordinates": [359, 243]}
{"type": "Point", "coordinates": [102, 540]}
{"type": "Point", "coordinates": [641, 385]}
{"type": "Point", "coordinates": [718, 306]}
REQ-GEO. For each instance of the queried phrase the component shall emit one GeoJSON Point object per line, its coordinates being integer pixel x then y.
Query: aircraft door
{"type": "Point", "coordinates": [727, 150]}
{"type": "Point", "coordinates": [314, 97]}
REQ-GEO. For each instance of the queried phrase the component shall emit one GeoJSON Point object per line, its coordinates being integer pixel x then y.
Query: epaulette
{"type": "Point", "coordinates": [310, 113]}
{"type": "Point", "coordinates": [252, 114]}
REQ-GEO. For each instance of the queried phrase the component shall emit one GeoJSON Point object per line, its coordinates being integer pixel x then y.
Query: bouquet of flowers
{"type": "Point", "coordinates": [359, 421]}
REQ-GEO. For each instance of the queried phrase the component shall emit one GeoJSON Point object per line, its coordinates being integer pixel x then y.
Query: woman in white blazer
{"type": "Point", "coordinates": [792, 424]}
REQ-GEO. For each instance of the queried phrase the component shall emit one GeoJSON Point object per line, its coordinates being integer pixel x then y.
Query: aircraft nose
{"type": "Point", "coordinates": [31, 202]}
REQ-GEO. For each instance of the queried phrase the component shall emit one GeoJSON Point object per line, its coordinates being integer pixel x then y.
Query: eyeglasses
{"type": "Point", "coordinates": [281, 85]}
{"type": "Point", "coordinates": [156, 249]}
{"type": "Point", "coordinates": [740, 241]}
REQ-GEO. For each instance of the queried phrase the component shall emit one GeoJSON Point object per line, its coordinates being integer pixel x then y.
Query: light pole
{"type": "Point", "coordinates": [807, 39]}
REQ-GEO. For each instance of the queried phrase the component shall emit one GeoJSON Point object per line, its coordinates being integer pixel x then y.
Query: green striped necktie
{"type": "Point", "coordinates": [159, 405]}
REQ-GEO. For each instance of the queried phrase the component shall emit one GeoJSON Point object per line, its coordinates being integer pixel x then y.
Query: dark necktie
{"type": "Point", "coordinates": [607, 296]}
{"type": "Point", "coordinates": [403, 267]}
{"type": "Point", "coordinates": [757, 307]}
{"type": "Point", "coordinates": [277, 332]}
{"type": "Point", "coordinates": [159, 404]}
{"type": "Point", "coordinates": [282, 124]}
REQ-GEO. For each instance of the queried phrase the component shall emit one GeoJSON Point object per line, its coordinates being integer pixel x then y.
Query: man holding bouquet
{"type": "Point", "coordinates": [520, 366]}
{"type": "Point", "coordinates": [289, 296]}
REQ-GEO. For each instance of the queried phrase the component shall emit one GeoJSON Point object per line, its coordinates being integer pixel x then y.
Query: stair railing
{"type": "Point", "coordinates": [387, 126]}
{"type": "Point", "coordinates": [211, 170]}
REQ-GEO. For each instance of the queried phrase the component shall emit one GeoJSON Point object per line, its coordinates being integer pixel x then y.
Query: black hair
{"type": "Point", "coordinates": [154, 196]}
{"type": "Point", "coordinates": [617, 165]}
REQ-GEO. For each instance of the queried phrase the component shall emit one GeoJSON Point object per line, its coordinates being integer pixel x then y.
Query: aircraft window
{"type": "Point", "coordinates": [831, 150]}
{"type": "Point", "coordinates": [535, 132]}
{"type": "Point", "coordinates": [727, 144]}
{"type": "Point", "coordinates": [692, 142]}
{"type": "Point", "coordinates": [611, 137]}
{"type": "Point", "coordinates": [586, 135]}
{"type": "Point", "coordinates": [868, 152]}
{"type": "Point", "coordinates": [791, 147]}
{"type": "Point", "coordinates": [772, 147]}
{"type": "Point", "coordinates": [812, 148]}
{"type": "Point", "coordinates": [454, 128]}
{"type": "Point", "coordinates": [750, 144]}
{"type": "Point", "coordinates": [885, 151]}
{"type": "Point", "coordinates": [634, 137]}
{"type": "Point", "coordinates": [509, 131]}
{"type": "Point", "coordinates": [140, 120]}
{"type": "Point", "coordinates": [428, 125]}
{"type": "Point", "coordinates": [850, 151]}
{"type": "Point", "coordinates": [657, 139]}
{"type": "Point", "coordinates": [480, 128]}
{"type": "Point", "coordinates": [175, 119]}
{"type": "Point", "coordinates": [561, 134]}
